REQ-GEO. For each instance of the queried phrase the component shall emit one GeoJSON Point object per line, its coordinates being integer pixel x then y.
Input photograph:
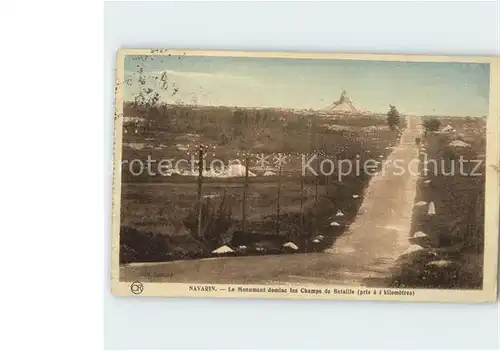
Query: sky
{"type": "Point", "coordinates": [417, 88]}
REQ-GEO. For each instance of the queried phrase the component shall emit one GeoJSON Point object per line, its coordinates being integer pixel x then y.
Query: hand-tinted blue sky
{"type": "Point", "coordinates": [459, 89]}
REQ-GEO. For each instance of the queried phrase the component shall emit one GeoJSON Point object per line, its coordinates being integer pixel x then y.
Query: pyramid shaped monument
{"type": "Point", "coordinates": [343, 105]}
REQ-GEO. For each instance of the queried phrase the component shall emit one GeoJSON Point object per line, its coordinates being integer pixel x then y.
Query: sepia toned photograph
{"type": "Point", "coordinates": [281, 175]}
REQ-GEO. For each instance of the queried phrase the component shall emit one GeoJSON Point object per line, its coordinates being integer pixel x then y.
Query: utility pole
{"type": "Point", "coordinates": [245, 192]}
{"type": "Point", "coordinates": [302, 202]}
{"type": "Point", "coordinates": [200, 180]}
{"type": "Point", "coordinates": [472, 224]}
{"type": "Point", "coordinates": [317, 181]}
{"type": "Point", "coordinates": [316, 196]}
{"type": "Point", "coordinates": [278, 203]}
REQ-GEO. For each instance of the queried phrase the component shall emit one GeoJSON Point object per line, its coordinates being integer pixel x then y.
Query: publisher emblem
{"type": "Point", "coordinates": [136, 288]}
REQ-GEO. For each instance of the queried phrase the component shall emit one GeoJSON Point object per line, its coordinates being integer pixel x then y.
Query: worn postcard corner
{"type": "Point", "coordinates": [305, 176]}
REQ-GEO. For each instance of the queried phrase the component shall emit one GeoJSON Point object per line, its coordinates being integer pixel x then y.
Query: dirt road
{"type": "Point", "coordinates": [363, 256]}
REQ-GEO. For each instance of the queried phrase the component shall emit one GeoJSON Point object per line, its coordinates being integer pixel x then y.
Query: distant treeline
{"type": "Point", "coordinates": [246, 115]}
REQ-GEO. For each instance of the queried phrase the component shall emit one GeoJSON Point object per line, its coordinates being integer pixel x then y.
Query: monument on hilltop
{"type": "Point", "coordinates": [343, 105]}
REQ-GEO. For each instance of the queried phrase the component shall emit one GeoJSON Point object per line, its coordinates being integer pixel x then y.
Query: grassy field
{"type": "Point", "coordinates": [159, 209]}
{"type": "Point", "coordinates": [454, 246]}
{"type": "Point", "coordinates": [229, 132]}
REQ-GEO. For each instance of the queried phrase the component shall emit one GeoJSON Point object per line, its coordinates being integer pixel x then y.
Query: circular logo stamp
{"type": "Point", "coordinates": [136, 288]}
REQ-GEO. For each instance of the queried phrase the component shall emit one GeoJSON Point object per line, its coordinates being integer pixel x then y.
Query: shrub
{"type": "Point", "coordinates": [393, 119]}
{"type": "Point", "coordinates": [216, 221]}
{"type": "Point", "coordinates": [432, 125]}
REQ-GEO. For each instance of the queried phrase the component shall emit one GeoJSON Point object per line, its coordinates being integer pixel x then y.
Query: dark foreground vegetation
{"type": "Point", "coordinates": [250, 215]}
{"type": "Point", "coordinates": [453, 248]}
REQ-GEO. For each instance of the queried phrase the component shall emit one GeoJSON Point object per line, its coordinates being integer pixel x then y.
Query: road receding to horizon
{"type": "Point", "coordinates": [365, 255]}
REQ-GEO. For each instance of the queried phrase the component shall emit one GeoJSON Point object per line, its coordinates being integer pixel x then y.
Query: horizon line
{"type": "Point", "coordinates": [311, 109]}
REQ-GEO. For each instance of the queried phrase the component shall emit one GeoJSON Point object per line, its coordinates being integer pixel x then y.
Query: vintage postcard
{"type": "Point", "coordinates": [305, 175]}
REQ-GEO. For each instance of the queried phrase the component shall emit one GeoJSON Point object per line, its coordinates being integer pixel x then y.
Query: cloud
{"type": "Point", "coordinates": [205, 75]}
{"type": "Point", "coordinates": [205, 88]}
{"type": "Point", "coordinates": [194, 75]}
